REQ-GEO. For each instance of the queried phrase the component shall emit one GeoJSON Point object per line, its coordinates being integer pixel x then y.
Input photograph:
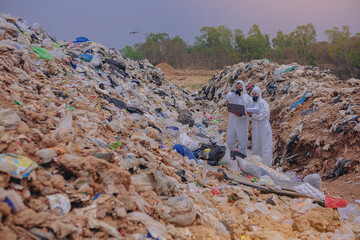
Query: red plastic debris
{"type": "Point", "coordinates": [332, 202]}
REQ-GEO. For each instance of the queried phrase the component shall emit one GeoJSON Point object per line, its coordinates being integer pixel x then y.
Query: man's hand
{"type": "Point", "coordinates": [250, 114]}
{"type": "Point", "coordinates": [226, 92]}
{"type": "Point", "coordinates": [237, 114]}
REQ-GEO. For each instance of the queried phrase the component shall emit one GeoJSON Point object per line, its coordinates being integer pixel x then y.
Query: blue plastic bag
{"type": "Point", "coordinates": [86, 57]}
{"type": "Point", "coordinates": [81, 39]}
{"type": "Point", "coordinates": [301, 101]}
{"type": "Point", "coordinates": [184, 151]}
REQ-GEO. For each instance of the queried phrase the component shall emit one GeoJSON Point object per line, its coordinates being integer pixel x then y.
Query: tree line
{"type": "Point", "coordinates": [216, 47]}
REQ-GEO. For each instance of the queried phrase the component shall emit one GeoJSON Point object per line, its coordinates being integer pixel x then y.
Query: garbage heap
{"type": "Point", "coordinates": [86, 152]}
{"type": "Point", "coordinates": [314, 115]}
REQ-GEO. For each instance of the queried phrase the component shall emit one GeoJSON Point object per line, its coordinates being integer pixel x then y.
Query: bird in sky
{"type": "Point", "coordinates": [135, 32]}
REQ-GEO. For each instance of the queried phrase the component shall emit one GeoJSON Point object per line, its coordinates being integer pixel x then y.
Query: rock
{"type": "Point", "coordinates": [46, 155]}
{"type": "Point", "coordinates": [9, 119]}
{"type": "Point", "coordinates": [5, 209]}
{"type": "Point", "coordinates": [48, 142]}
{"type": "Point", "coordinates": [7, 233]}
{"type": "Point", "coordinates": [326, 147]}
{"type": "Point", "coordinates": [28, 218]}
{"type": "Point", "coordinates": [22, 128]}
{"type": "Point", "coordinates": [186, 117]}
{"type": "Point", "coordinates": [2, 131]}
{"type": "Point", "coordinates": [356, 128]}
{"type": "Point", "coordinates": [322, 219]}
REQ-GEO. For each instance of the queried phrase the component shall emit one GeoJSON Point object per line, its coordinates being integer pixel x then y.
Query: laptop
{"type": "Point", "coordinates": [236, 108]}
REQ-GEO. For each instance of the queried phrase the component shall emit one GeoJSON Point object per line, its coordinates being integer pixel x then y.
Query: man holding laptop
{"type": "Point", "coordinates": [239, 120]}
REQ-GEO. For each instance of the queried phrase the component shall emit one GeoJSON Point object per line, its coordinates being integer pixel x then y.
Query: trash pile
{"type": "Point", "coordinates": [95, 146]}
{"type": "Point", "coordinates": [314, 115]}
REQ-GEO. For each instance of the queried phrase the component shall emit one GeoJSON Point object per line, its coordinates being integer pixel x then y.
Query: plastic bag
{"type": "Point", "coordinates": [307, 190]}
{"type": "Point", "coordinates": [173, 131]}
{"type": "Point", "coordinates": [96, 61]}
{"type": "Point", "coordinates": [65, 128]}
{"type": "Point", "coordinates": [184, 139]}
{"type": "Point", "coordinates": [16, 165]}
{"type": "Point", "coordinates": [179, 211]}
{"type": "Point", "coordinates": [255, 159]}
{"type": "Point", "coordinates": [48, 43]}
{"type": "Point", "coordinates": [338, 235]}
{"type": "Point", "coordinates": [351, 208]}
{"type": "Point", "coordinates": [184, 151]}
{"type": "Point", "coordinates": [140, 202]}
{"type": "Point", "coordinates": [46, 155]}
{"type": "Point", "coordinates": [59, 201]}
{"type": "Point", "coordinates": [332, 202]}
{"type": "Point", "coordinates": [43, 53]}
{"type": "Point", "coordinates": [12, 198]}
{"type": "Point", "coordinates": [154, 226]}
{"type": "Point", "coordinates": [57, 54]}
{"type": "Point", "coordinates": [164, 185]}
{"type": "Point", "coordinates": [314, 180]}
{"type": "Point", "coordinates": [145, 182]}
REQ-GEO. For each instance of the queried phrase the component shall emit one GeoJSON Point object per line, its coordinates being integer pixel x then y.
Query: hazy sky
{"type": "Point", "coordinates": [110, 21]}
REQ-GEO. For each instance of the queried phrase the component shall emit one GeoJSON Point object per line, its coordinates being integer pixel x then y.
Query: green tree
{"type": "Point", "coordinates": [129, 52]}
{"type": "Point", "coordinates": [239, 41]}
{"type": "Point", "coordinates": [303, 36]}
{"type": "Point", "coordinates": [220, 37]}
{"type": "Point", "coordinates": [257, 44]}
{"type": "Point", "coordinates": [157, 37]}
{"type": "Point", "coordinates": [336, 35]}
{"type": "Point", "coordinates": [281, 40]}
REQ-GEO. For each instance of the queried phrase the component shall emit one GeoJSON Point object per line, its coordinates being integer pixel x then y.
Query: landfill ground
{"type": "Point", "coordinates": [191, 79]}
{"type": "Point", "coordinates": [346, 186]}
{"type": "Point", "coordinates": [97, 146]}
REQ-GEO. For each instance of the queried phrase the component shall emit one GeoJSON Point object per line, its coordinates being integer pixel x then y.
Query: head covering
{"type": "Point", "coordinates": [257, 90]}
{"type": "Point", "coordinates": [243, 85]}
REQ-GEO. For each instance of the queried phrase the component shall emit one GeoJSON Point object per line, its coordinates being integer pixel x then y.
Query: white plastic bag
{"type": "Point", "coordinates": [61, 202]}
{"type": "Point", "coordinates": [307, 190]}
{"type": "Point", "coordinates": [351, 208]}
{"type": "Point", "coordinates": [184, 139]}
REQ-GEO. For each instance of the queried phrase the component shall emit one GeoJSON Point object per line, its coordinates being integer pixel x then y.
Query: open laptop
{"type": "Point", "coordinates": [236, 108]}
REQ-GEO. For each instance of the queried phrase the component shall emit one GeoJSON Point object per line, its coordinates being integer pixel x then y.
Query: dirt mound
{"type": "Point", "coordinates": [166, 68]}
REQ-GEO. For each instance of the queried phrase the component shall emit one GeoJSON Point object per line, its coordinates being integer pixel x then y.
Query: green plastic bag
{"type": "Point", "coordinates": [43, 53]}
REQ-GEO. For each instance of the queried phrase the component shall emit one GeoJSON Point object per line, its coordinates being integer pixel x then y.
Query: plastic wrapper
{"type": "Point", "coordinates": [16, 165]}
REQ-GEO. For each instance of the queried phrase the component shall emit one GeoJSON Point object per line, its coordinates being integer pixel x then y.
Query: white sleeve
{"type": "Point", "coordinates": [264, 112]}
{"type": "Point", "coordinates": [228, 96]}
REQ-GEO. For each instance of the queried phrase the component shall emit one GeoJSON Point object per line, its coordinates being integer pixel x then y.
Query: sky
{"type": "Point", "coordinates": [110, 21]}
